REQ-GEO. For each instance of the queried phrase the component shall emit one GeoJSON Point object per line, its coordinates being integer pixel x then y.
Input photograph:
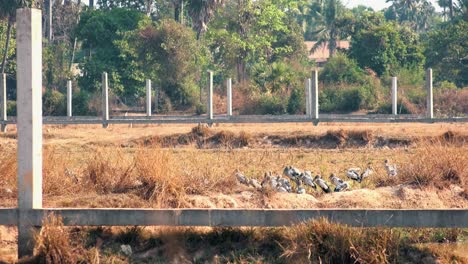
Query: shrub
{"type": "Point", "coordinates": [341, 69]}
{"type": "Point", "coordinates": [54, 103]}
{"type": "Point", "coordinates": [268, 104]}
{"type": "Point", "coordinates": [346, 99]}
{"type": "Point", "coordinates": [81, 104]}
{"type": "Point", "coordinates": [296, 103]}
{"type": "Point", "coordinates": [11, 108]}
{"type": "Point", "coordinates": [200, 108]}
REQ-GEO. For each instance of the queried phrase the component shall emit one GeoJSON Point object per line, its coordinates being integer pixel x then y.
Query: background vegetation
{"type": "Point", "coordinates": [260, 44]}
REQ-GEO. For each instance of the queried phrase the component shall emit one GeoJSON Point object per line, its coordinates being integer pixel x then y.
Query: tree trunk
{"type": "Point", "coordinates": [50, 21]}
{"type": "Point", "coordinates": [91, 4]}
{"type": "Point", "coordinates": [177, 11]}
{"type": "Point", "coordinates": [181, 15]}
{"type": "Point", "coordinates": [451, 9]}
{"type": "Point", "coordinates": [7, 43]}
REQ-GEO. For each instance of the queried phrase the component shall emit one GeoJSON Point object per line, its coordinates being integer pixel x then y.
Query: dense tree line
{"type": "Point", "coordinates": [260, 44]}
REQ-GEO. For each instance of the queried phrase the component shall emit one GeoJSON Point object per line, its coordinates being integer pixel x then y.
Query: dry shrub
{"type": "Point", "coordinates": [160, 184]}
{"type": "Point", "coordinates": [229, 139]}
{"type": "Point", "coordinates": [53, 242]}
{"type": "Point", "coordinates": [451, 137]}
{"type": "Point", "coordinates": [452, 102]}
{"type": "Point", "coordinates": [437, 165]}
{"type": "Point", "coordinates": [109, 170]}
{"type": "Point", "coordinates": [341, 137]}
{"type": "Point", "coordinates": [324, 242]}
{"type": "Point", "coordinates": [8, 168]}
{"type": "Point", "coordinates": [58, 178]}
{"type": "Point", "coordinates": [202, 130]}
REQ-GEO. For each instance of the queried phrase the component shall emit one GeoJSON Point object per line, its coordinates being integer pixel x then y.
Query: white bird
{"type": "Point", "coordinates": [242, 179]}
{"type": "Point", "coordinates": [301, 190]}
{"type": "Point", "coordinates": [254, 183]}
{"type": "Point", "coordinates": [291, 172]}
{"type": "Point", "coordinates": [323, 185]}
{"type": "Point", "coordinates": [285, 184]}
{"type": "Point", "coordinates": [368, 172]}
{"type": "Point", "coordinates": [353, 174]}
{"type": "Point", "coordinates": [306, 177]}
{"type": "Point", "coordinates": [335, 180]}
{"type": "Point", "coordinates": [391, 169]}
{"type": "Point", "coordinates": [281, 189]}
{"type": "Point", "coordinates": [342, 187]}
{"type": "Point", "coordinates": [269, 181]}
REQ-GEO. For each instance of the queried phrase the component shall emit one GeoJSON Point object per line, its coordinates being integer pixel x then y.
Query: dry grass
{"type": "Point", "coordinates": [316, 241]}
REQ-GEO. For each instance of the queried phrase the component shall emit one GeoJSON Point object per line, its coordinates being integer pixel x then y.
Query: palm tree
{"type": "Point", "coordinates": [201, 12]}
{"type": "Point", "coordinates": [329, 23]}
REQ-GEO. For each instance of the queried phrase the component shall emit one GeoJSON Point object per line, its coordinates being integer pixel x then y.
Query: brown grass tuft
{"type": "Point", "coordinates": [53, 242]}
{"type": "Point", "coordinates": [437, 165]}
{"type": "Point", "coordinates": [160, 184]}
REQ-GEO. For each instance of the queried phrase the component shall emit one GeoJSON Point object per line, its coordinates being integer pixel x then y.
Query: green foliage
{"type": "Point", "coordinates": [56, 68]}
{"type": "Point", "coordinates": [267, 104]}
{"type": "Point", "coordinates": [386, 48]}
{"type": "Point", "coordinates": [103, 36]}
{"type": "Point", "coordinates": [346, 99]}
{"type": "Point", "coordinates": [341, 69]}
{"type": "Point", "coordinates": [11, 108]}
{"type": "Point", "coordinates": [81, 104]}
{"type": "Point", "coordinates": [296, 103]}
{"type": "Point", "coordinates": [200, 108]}
{"type": "Point", "coordinates": [170, 52]}
{"type": "Point", "coordinates": [446, 52]}
{"type": "Point", "coordinates": [10, 68]}
{"type": "Point", "coordinates": [54, 103]}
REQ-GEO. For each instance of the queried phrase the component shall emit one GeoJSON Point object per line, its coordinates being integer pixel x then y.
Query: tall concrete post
{"type": "Point", "coordinates": [430, 102]}
{"type": "Point", "coordinates": [315, 95]}
{"type": "Point", "coordinates": [210, 96]}
{"type": "Point", "coordinates": [29, 108]}
{"type": "Point", "coordinates": [148, 97]}
{"type": "Point", "coordinates": [308, 97]}
{"type": "Point", "coordinates": [69, 98]}
{"type": "Point", "coordinates": [3, 101]}
{"type": "Point", "coordinates": [229, 96]}
{"type": "Point", "coordinates": [394, 96]}
{"type": "Point", "coordinates": [105, 100]}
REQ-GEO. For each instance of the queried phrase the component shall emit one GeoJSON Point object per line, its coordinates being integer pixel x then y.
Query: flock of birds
{"type": "Point", "coordinates": [303, 179]}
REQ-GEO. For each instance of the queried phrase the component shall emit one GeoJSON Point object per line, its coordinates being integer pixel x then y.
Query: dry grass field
{"type": "Point", "coordinates": [187, 166]}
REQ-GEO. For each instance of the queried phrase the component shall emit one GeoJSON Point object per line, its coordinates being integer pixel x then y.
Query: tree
{"type": "Point", "coordinates": [386, 48]}
{"type": "Point", "coordinates": [329, 25]}
{"type": "Point", "coordinates": [103, 32]}
{"type": "Point", "coordinates": [201, 12]}
{"type": "Point", "coordinates": [170, 54]}
{"type": "Point", "coordinates": [418, 14]}
{"type": "Point", "coordinates": [446, 51]}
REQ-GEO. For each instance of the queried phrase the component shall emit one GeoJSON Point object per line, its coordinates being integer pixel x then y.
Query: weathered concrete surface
{"type": "Point", "coordinates": [148, 97]}
{"type": "Point", "coordinates": [69, 98]}
{"type": "Point", "coordinates": [29, 108]}
{"type": "Point", "coordinates": [258, 217]}
{"type": "Point", "coordinates": [210, 96]}
{"type": "Point", "coordinates": [105, 99]}
{"type": "Point", "coordinates": [8, 216]}
{"type": "Point", "coordinates": [229, 96]}
{"type": "Point", "coordinates": [394, 96]}
{"type": "Point", "coordinates": [3, 102]}
{"type": "Point", "coordinates": [315, 95]}
{"type": "Point", "coordinates": [430, 101]}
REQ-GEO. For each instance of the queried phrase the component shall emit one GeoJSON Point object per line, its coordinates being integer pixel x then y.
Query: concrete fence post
{"type": "Point", "coordinates": [105, 100]}
{"type": "Point", "coordinates": [148, 97]}
{"type": "Point", "coordinates": [229, 96]}
{"type": "Point", "coordinates": [394, 96]}
{"type": "Point", "coordinates": [430, 102]}
{"type": "Point", "coordinates": [29, 108]}
{"type": "Point", "coordinates": [69, 98]}
{"type": "Point", "coordinates": [210, 96]}
{"type": "Point", "coordinates": [3, 102]}
{"type": "Point", "coordinates": [308, 97]}
{"type": "Point", "coordinates": [315, 95]}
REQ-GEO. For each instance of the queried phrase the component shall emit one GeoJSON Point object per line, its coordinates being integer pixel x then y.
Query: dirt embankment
{"type": "Point", "coordinates": [205, 138]}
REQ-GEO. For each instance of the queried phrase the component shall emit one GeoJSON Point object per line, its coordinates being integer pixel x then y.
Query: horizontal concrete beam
{"type": "Point", "coordinates": [442, 218]}
{"type": "Point", "coordinates": [8, 216]}
{"type": "Point", "coordinates": [243, 119]}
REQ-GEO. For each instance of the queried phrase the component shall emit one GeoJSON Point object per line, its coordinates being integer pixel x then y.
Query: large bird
{"type": "Point", "coordinates": [254, 183]}
{"type": "Point", "coordinates": [354, 174]}
{"type": "Point", "coordinates": [242, 179]}
{"type": "Point", "coordinates": [322, 184]}
{"type": "Point", "coordinates": [284, 183]}
{"type": "Point", "coordinates": [291, 172]}
{"type": "Point", "coordinates": [391, 169]}
{"type": "Point", "coordinates": [367, 172]}
{"type": "Point", "coordinates": [340, 185]}
{"type": "Point", "coordinates": [307, 179]}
